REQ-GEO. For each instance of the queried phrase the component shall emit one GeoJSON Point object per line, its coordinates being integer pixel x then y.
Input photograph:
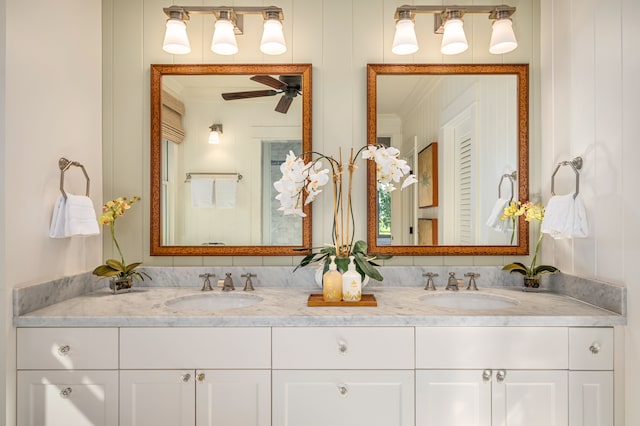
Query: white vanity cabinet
{"type": "Point", "coordinates": [201, 376]}
{"type": "Point", "coordinates": [67, 376]}
{"type": "Point", "coordinates": [343, 376]}
{"type": "Point", "coordinates": [591, 376]}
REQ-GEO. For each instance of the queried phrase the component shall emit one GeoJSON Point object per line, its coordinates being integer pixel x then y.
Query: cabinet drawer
{"type": "Point", "coordinates": [67, 348]}
{"type": "Point", "coordinates": [591, 349]}
{"type": "Point", "coordinates": [227, 347]}
{"type": "Point", "coordinates": [529, 348]}
{"type": "Point", "coordinates": [343, 348]}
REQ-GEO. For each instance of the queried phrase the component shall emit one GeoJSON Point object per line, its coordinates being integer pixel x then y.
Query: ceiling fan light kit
{"type": "Point", "coordinates": [447, 20]}
{"type": "Point", "coordinates": [228, 24]}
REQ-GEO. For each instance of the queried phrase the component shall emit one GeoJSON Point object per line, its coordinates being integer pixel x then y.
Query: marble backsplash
{"type": "Point", "coordinates": [604, 295]}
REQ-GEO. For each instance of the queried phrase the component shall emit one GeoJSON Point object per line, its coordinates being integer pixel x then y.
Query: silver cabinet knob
{"type": "Point", "coordinates": [486, 375]}
{"type": "Point", "coordinates": [501, 375]}
{"type": "Point", "coordinates": [594, 348]}
{"type": "Point", "coordinates": [65, 393]}
{"type": "Point", "coordinates": [64, 350]}
{"type": "Point", "coordinates": [185, 377]}
{"type": "Point", "coordinates": [342, 347]}
{"type": "Point", "coordinates": [201, 377]}
{"type": "Point", "coordinates": [342, 389]}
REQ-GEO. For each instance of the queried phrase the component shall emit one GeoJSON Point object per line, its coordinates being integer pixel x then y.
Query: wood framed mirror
{"type": "Point", "coordinates": [464, 128]}
{"type": "Point", "coordinates": [218, 199]}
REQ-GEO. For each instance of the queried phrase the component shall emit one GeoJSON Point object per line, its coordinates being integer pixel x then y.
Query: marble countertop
{"type": "Point", "coordinates": [286, 306]}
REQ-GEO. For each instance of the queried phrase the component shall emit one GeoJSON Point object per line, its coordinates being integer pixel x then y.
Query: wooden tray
{"type": "Point", "coordinates": [317, 300]}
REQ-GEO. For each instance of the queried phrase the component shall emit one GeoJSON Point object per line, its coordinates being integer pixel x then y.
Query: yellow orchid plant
{"type": "Point", "coordinates": [531, 212]}
{"type": "Point", "coordinates": [111, 211]}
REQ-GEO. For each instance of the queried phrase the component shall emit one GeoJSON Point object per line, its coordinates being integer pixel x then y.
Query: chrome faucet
{"type": "Point", "coordinates": [472, 280]}
{"type": "Point", "coordinates": [228, 283]}
{"type": "Point", "coordinates": [430, 285]}
{"type": "Point", "coordinates": [452, 283]}
{"type": "Point", "coordinates": [248, 285]}
{"type": "Point", "coordinates": [206, 286]}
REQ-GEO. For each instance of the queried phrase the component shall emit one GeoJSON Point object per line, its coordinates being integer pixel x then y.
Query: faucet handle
{"type": "Point", "coordinates": [472, 280]}
{"type": "Point", "coordinates": [206, 286]}
{"type": "Point", "coordinates": [430, 285]}
{"type": "Point", "coordinates": [248, 285]}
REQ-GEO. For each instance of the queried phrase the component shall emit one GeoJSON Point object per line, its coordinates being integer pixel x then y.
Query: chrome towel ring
{"type": "Point", "coordinates": [576, 164]}
{"type": "Point", "coordinates": [64, 165]}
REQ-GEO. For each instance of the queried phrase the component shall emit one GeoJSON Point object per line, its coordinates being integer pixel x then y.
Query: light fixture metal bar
{"type": "Point", "coordinates": [440, 13]}
{"type": "Point", "coordinates": [215, 10]}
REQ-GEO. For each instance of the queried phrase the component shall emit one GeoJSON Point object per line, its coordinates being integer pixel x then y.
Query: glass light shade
{"type": "Point", "coordinates": [503, 40]}
{"type": "Point", "coordinates": [404, 40]}
{"type": "Point", "coordinates": [175, 38]}
{"type": "Point", "coordinates": [453, 40]}
{"type": "Point", "coordinates": [224, 40]}
{"type": "Point", "coordinates": [214, 137]}
{"type": "Point", "coordinates": [272, 42]}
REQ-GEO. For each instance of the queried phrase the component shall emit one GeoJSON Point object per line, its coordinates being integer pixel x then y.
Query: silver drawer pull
{"type": "Point", "coordinates": [65, 393]}
{"type": "Point", "coordinates": [501, 375]}
{"type": "Point", "coordinates": [185, 377]}
{"type": "Point", "coordinates": [486, 375]}
{"type": "Point", "coordinates": [64, 350]}
{"type": "Point", "coordinates": [343, 390]}
{"type": "Point", "coordinates": [342, 347]}
{"type": "Point", "coordinates": [594, 348]}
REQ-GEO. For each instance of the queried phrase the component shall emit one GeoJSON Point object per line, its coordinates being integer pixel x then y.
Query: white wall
{"type": "Point", "coordinates": [51, 108]}
{"type": "Point", "coordinates": [590, 92]}
{"type": "Point", "coordinates": [339, 37]}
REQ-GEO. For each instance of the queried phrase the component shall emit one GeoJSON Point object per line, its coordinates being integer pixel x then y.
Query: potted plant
{"type": "Point", "coordinates": [301, 182]}
{"type": "Point", "coordinates": [121, 274]}
{"type": "Point", "coordinates": [531, 212]}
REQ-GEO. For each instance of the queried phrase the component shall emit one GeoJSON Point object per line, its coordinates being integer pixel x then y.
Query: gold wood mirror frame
{"type": "Point", "coordinates": [157, 73]}
{"type": "Point", "coordinates": [521, 72]}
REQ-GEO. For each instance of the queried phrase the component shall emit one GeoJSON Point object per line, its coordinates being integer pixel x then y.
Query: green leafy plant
{"type": "Point", "coordinates": [365, 264]}
{"type": "Point", "coordinates": [531, 212]}
{"type": "Point", "coordinates": [112, 210]}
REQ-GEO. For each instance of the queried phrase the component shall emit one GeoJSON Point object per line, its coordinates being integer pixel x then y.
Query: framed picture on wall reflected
{"type": "Point", "coordinates": [428, 232]}
{"type": "Point", "coordinates": [428, 176]}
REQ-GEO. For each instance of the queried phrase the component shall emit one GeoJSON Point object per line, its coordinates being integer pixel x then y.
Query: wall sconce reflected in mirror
{"type": "Point", "coordinates": [228, 24]}
{"type": "Point", "coordinates": [448, 21]}
{"type": "Point", "coordinates": [214, 134]}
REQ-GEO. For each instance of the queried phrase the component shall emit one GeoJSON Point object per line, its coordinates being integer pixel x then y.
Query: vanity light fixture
{"type": "Point", "coordinates": [228, 24]}
{"type": "Point", "coordinates": [448, 21]}
{"type": "Point", "coordinates": [214, 135]}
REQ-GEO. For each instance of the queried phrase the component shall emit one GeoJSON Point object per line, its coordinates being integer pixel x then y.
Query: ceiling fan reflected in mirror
{"type": "Point", "coordinates": [289, 85]}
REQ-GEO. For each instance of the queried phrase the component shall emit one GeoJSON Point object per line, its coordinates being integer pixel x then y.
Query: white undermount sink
{"type": "Point", "coordinates": [464, 300]}
{"type": "Point", "coordinates": [213, 301]}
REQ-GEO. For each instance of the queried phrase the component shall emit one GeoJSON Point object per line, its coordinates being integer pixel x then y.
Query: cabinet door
{"type": "Point", "coordinates": [343, 398]}
{"type": "Point", "coordinates": [530, 398]}
{"type": "Point", "coordinates": [453, 397]}
{"type": "Point", "coordinates": [77, 398]}
{"type": "Point", "coordinates": [158, 398]}
{"type": "Point", "coordinates": [590, 398]}
{"type": "Point", "coordinates": [233, 397]}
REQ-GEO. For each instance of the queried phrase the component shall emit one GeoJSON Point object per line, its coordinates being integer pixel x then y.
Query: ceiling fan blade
{"type": "Point", "coordinates": [245, 95]}
{"type": "Point", "coordinates": [269, 81]}
{"type": "Point", "coordinates": [284, 104]}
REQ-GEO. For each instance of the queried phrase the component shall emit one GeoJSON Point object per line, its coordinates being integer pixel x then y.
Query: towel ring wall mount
{"type": "Point", "coordinates": [576, 165]}
{"type": "Point", "coordinates": [64, 165]}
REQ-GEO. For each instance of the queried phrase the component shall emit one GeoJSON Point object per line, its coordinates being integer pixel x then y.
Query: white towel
{"type": "Point", "coordinates": [57, 220]}
{"type": "Point", "coordinates": [80, 216]}
{"type": "Point", "coordinates": [226, 193]}
{"type": "Point", "coordinates": [494, 221]}
{"type": "Point", "coordinates": [201, 192]}
{"type": "Point", "coordinates": [565, 217]}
